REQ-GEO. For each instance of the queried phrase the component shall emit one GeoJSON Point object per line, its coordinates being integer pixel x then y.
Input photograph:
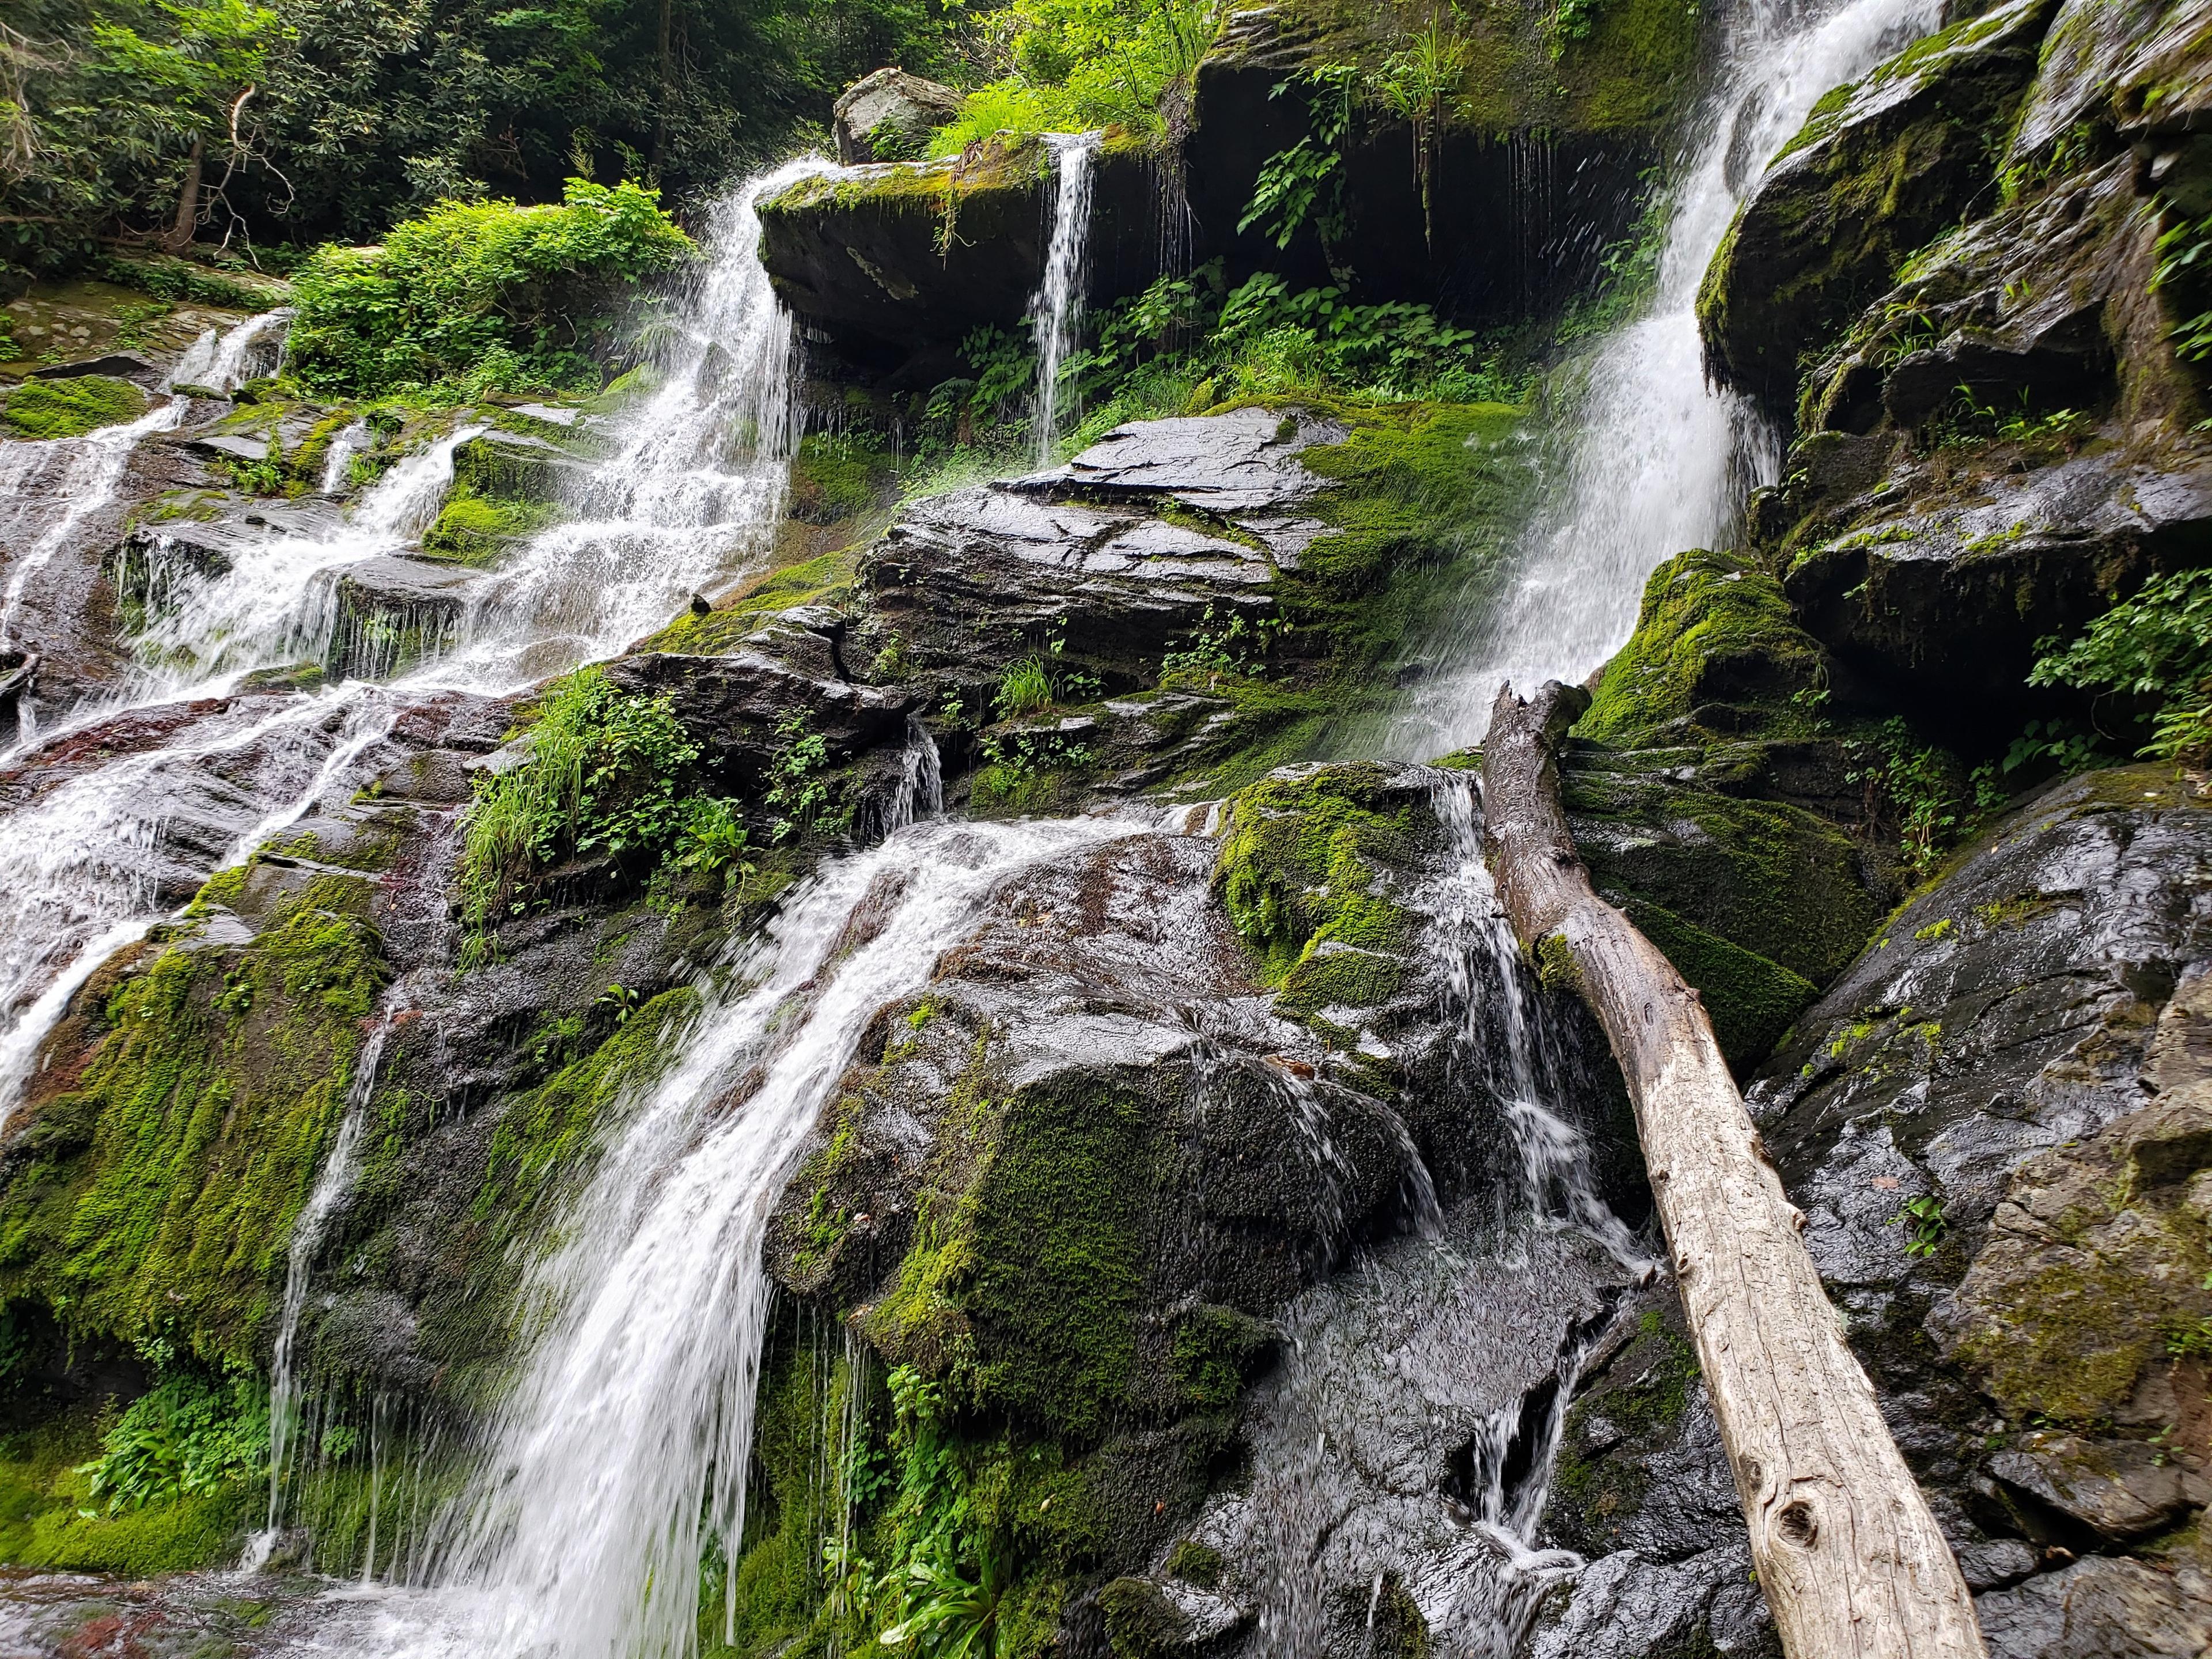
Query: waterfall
{"type": "Point", "coordinates": [625, 1442]}
{"type": "Point", "coordinates": [693, 490]}
{"type": "Point", "coordinates": [82, 473]}
{"type": "Point", "coordinates": [1659, 460]}
{"type": "Point", "coordinates": [1056, 312]}
{"type": "Point", "coordinates": [338, 461]}
{"type": "Point", "coordinates": [331, 1184]}
{"type": "Point", "coordinates": [223, 362]}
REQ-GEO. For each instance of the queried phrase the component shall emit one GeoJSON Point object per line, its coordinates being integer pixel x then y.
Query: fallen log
{"type": "Point", "coordinates": [1848, 1552]}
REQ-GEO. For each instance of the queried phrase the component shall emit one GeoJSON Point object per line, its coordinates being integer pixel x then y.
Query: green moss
{"type": "Point", "coordinates": [71, 407]}
{"type": "Point", "coordinates": [1195, 1563]}
{"type": "Point", "coordinates": [1023, 1288]}
{"type": "Point", "coordinates": [1417, 493]}
{"type": "Point", "coordinates": [543, 1136]}
{"type": "Point", "coordinates": [1751, 999]}
{"type": "Point", "coordinates": [1300, 871]}
{"type": "Point", "coordinates": [477, 531]}
{"type": "Point", "coordinates": [1632, 70]}
{"type": "Point", "coordinates": [157, 1194]}
{"type": "Point", "coordinates": [2070, 1345]}
{"type": "Point", "coordinates": [1713, 629]}
{"type": "Point", "coordinates": [838, 476]}
{"type": "Point", "coordinates": [809, 581]}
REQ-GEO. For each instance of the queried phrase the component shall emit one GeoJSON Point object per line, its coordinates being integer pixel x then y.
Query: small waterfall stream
{"type": "Point", "coordinates": [692, 492]}
{"type": "Point", "coordinates": [625, 1444]}
{"type": "Point", "coordinates": [1056, 312]}
{"type": "Point", "coordinates": [1658, 460]}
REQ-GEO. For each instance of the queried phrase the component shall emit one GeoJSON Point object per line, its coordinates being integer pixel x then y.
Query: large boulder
{"type": "Point", "coordinates": [888, 116]}
{"type": "Point", "coordinates": [891, 258]}
{"type": "Point", "coordinates": [1995, 1124]}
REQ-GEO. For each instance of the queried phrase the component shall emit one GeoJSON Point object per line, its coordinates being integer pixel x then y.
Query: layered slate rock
{"type": "Point", "coordinates": [1119, 555]}
{"type": "Point", "coordinates": [2007, 440]}
{"type": "Point", "coordinates": [1878, 168]}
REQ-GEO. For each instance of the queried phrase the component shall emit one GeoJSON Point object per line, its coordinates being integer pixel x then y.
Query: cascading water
{"type": "Point", "coordinates": [1658, 461]}
{"type": "Point", "coordinates": [1056, 312]}
{"type": "Point", "coordinates": [83, 474]}
{"type": "Point", "coordinates": [627, 1437]}
{"type": "Point", "coordinates": [697, 483]}
{"type": "Point", "coordinates": [224, 360]}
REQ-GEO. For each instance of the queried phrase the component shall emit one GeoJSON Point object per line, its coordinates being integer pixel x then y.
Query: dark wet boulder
{"type": "Point", "coordinates": [1879, 168]}
{"type": "Point", "coordinates": [1994, 1124]}
{"type": "Point", "coordinates": [890, 258]}
{"type": "Point", "coordinates": [889, 115]}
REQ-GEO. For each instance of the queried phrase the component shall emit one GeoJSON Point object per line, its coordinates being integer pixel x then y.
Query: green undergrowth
{"type": "Point", "coordinates": [52, 1515]}
{"type": "Point", "coordinates": [156, 1192]}
{"type": "Point", "coordinates": [1306, 872]}
{"type": "Point", "coordinates": [477, 296]}
{"type": "Point", "coordinates": [607, 774]}
{"type": "Point", "coordinates": [69, 407]}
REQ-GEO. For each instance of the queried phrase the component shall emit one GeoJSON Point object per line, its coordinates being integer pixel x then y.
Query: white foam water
{"type": "Point", "coordinates": [1056, 312]}
{"type": "Point", "coordinates": [1659, 461]}
{"type": "Point", "coordinates": [225, 360]}
{"type": "Point", "coordinates": [692, 492]}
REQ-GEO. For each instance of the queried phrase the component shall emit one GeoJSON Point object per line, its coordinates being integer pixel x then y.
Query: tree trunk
{"type": "Point", "coordinates": [188, 202]}
{"type": "Point", "coordinates": [1850, 1557]}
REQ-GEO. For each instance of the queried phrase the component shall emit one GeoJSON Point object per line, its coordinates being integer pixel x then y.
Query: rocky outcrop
{"type": "Point", "coordinates": [1993, 1123]}
{"type": "Point", "coordinates": [2005, 440]}
{"type": "Point", "coordinates": [889, 116]}
{"type": "Point", "coordinates": [1879, 168]}
{"type": "Point", "coordinates": [901, 260]}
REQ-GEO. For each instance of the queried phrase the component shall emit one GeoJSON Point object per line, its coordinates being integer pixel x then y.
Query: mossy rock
{"type": "Point", "coordinates": [1879, 169]}
{"type": "Point", "coordinates": [1715, 645]}
{"type": "Point", "coordinates": [1752, 1000]}
{"type": "Point", "coordinates": [1306, 872]}
{"type": "Point", "coordinates": [153, 1196]}
{"type": "Point", "coordinates": [71, 407]}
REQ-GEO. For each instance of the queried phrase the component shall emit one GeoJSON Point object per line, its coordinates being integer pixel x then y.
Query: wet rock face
{"type": "Point", "coordinates": [2002, 442]}
{"type": "Point", "coordinates": [901, 260]}
{"type": "Point", "coordinates": [1995, 1123]}
{"type": "Point", "coordinates": [1103, 567]}
{"type": "Point", "coordinates": [1879, 168]}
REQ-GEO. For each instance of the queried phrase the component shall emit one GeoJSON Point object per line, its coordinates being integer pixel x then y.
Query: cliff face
{"type": "Point", "coordinates": [1205, 1249]}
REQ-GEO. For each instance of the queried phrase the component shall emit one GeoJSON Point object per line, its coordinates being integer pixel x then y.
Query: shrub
{"type": "Point", "coordinates": [186, 1437]}
{"type": "Point", "coordinates": [479, 295]}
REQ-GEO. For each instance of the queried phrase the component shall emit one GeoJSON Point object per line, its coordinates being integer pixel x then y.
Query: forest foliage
{"type": "Point", "coordinates": [308, 120]}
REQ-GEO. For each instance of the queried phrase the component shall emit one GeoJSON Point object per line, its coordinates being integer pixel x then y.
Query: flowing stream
{"type": "Point", "coordinates": [691, 493]}
{"type": "Point", "coordinates": [1658, 461]}
{"type": "Point", "coordinates": [1056, 312]}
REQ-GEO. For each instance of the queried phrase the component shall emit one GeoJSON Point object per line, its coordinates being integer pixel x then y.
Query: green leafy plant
{"type": "Point", "coordinates": [1414, 83]}
{"type": "Point", "coordinates": [1921, 1218]}
{"type": "Point", "coordinates": [479, 295]}
{"type": "Point", "coordinates": [600, 776]}
{"type": "Point", "coordinates": [1921, 785]}
{"type": "Point", "coordinates": [2155, 644]}
{"type": "Point", "coordinates": [798, 787]}
{"type": "Point", "coordinates": [185, 1437]}
{"type": "Point", "coordinates": [1305, 182]}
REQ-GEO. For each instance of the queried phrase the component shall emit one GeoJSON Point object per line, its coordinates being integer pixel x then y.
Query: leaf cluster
{"type": "Point", "coordinates": [472, 282]}
{"type": "Point", "coordinates": [185, 1437]}
{"type": "Point", "coordinates": [2155, 645]}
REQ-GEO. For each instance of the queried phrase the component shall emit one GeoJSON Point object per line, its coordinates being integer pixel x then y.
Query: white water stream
{"type": "Point", "coordinates": [692, 493]}
{"type": "Point", "coordinates": [1658, 461]}
{"type": "Point", "coordinates": [1056, 312]}
{"type": "Point", "coordinates": [623, 1446]}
